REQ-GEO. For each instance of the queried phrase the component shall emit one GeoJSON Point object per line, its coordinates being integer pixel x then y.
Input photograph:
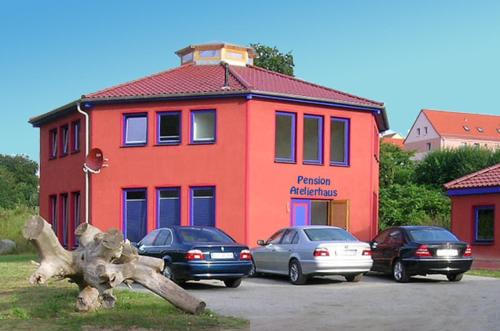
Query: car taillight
{"type": "Point", "coordinates": [245, 255]}
{"type": "Point", "coordinates": [321, 252]}
{"type": "Point", "coordinates": [367, 252]}
{"type": "Point", "coordinates": [423, 251]}
{"type": "Point", "coordinates": [468, 251]}
{"type": "Point", "coordinates": [195, 254]}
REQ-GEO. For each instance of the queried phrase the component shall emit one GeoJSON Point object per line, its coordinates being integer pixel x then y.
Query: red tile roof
{"type": "Point", "coordinates": [483, 178]}
{"type": "Point", "coordinates": [453, 124]}
{"type": "Point", "coordinates": [206, 79]}
{"type": "Point", "coordinates": [394, 141]}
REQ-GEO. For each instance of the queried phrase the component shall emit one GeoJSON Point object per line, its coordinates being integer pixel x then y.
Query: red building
{"type": "Point", "coordinates": [475, 213]}
{"type": "Point", "coordinates": [215, 141]}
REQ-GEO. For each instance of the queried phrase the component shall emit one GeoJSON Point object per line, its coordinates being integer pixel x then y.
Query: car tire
{"type": "Point", "coordinates": [233, 282]}
{"type": "Point", "coordinates": [455, 277]}
{"type": "Point", "coordinates": [295, 273]}
{"type": "Point", "coordinates": [168, 273]}
{"type": "Point", "coordinates": [354, 277]}
{"type": "Point", "coordinates": [399, 272]}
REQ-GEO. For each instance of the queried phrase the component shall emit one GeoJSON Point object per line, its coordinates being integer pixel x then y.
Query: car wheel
{"type": "Point", "coordinates": [354, 278]}
{"type": "Point", "coordinates": [167, 272]}
{"type": "Point", "coordinates": [455, 277]}
{"type": "Point", "coordinates": [399, 272]}
{"type": "Point", "coordinates": [232, 283]}
{"type": "Point", "coordinates": [295, 273]}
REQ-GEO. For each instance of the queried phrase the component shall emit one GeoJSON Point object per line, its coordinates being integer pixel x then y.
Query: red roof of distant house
{"type": "Point", "coordinates": [464, 125]}
{"type": "Point", "coordinates": [203, 79]}
{"type": "Point", "coordinates": [394, 141]}
{"type": "Point", "coordinates": [483, 178]}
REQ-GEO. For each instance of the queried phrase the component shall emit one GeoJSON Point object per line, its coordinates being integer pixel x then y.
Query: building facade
{"type": "Point", "coordinates": [216, 141]}
{"type": "Point", "coordinates": [475, 214]}
{"type": "Point", "coordinates": [436, 129]}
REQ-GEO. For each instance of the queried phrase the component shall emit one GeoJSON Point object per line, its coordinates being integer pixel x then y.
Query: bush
{"type": "Point", "coordinates": [11, 225]}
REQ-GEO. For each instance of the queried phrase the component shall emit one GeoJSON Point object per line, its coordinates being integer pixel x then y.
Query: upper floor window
{"type": "Point", "coordinates": [136, 129]}
{"type": "Point", "coordinates": [53, 143]}
{"type": "Point", "coordinates": [313, 139]}
{"type": "Point", "coordinates": [169, 128]}
{"type": "Point", "coordinates": [75, 136]}
{"type": "Point", "coordinates": [429, 146]}
{"type": "Point", "coordinates": [64, 140]}
{"type": "Point", "coordinates": [339, 141]}
{"type": "Point", "coordinates": [484, 219]}
{"type": "Point", "coordinates": [284, 143]}
{"type": "Point", "coordinates": [425, 130]}
{"type": "Point", "coordinates": [418, 131]}
{"type": "Point", "coordinates": [203, 126]}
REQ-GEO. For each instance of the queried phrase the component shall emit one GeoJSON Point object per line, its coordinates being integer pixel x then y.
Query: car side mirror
{"type": "Point", "coordinates": [261, 242]}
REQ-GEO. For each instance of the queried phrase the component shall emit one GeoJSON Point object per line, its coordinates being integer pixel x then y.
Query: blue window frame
{"type": "Point", "coordinates": [339, 141]}
{"type": "Point", "coordinates": [484, 224]}
{"type": "Point", "coordinates": [168, 131]}
{"type": "Point", "coordinates": [64, 140]}
{"type": "Point", "coordinates": [53, 213]}
{"type": "Point", "coordinates": [135, 214]}
{"type": "Point", "coordinates": [169, 207]}
{"type": "Point", "coordinates": [203, 206]}
{"type": "Point", "coordinates": [313, 139]}
{"type": "Point", "coordinates": [53, 144]}
{"type": "Point", "coordinates": [203, 126]}
{"type": "Point", "coordinates": [284, 141]}
{"type": "Point", "coordinates": [75, 136]}
{"type": "Point", "coordinates": [64, 218]}
{"type": "Point", "coordinates": [135, 129]}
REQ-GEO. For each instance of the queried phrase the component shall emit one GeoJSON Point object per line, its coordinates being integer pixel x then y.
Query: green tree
{"type": "Point", "coordinates": [272, 59]}
{"type": "Point", "coordinates": [396, 166]}
{"type": "Point", "coordinates": [18, 181]}
{"type": "Point", "coordinates": [442, 166]}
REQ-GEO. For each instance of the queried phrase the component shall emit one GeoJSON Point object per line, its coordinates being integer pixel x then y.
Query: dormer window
{"type": "Point", "coordinates": [210, 53]}
{"type": "Point", "coordinates": [479, 129]}
{"type": "Point", "coordinates": [466, 128]}
{"type": "Point", "coordinates": [214, 53]}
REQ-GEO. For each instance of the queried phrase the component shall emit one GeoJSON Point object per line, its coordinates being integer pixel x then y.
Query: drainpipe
{"type": "Point", "coordinates": [87, 174]}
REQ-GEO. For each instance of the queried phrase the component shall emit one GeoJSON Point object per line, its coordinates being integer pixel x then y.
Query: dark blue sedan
{"type": "Point", "coordinates": [194, 253]}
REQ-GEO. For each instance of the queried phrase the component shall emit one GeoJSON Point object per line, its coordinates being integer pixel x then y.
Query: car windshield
{"type": "Point", "coordinates": [329, 234]}
{"type": "Point", "coordinates": [422, 235]}
{"type": "Point", "coordinates": [203, 235]}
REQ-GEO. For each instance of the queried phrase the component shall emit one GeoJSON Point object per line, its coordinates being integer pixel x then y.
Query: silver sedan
{"type": "Point", "coordinates": [305, 251]}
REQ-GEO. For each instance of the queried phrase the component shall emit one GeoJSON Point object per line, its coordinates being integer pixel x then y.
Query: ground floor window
{"type": "Point", "coordinates": [75, 197]}
{"type": "Point", "coordinates": [64, 219]}
{"type": "Point", "coordinates": [320, 212]}
{"type": "Point", "coordinates": [484, 219]}
{"type": "Point", "coordinates": [168, 207]}
{"type": "Point", "coordinates": [53, 212]}
{"type": "Point", "coordinates": [135, 214]}
{"type": "Point", "coordinates": [203, 206]}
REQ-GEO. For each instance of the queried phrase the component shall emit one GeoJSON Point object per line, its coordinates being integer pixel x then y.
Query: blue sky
{"type": "Point", "coordinates": [408, 54]}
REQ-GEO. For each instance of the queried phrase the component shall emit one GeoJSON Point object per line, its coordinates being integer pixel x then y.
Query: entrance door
{"type": "Point", "coordinates": [339, 213]}
{"type": "Point", "coordinates": [301, 212]}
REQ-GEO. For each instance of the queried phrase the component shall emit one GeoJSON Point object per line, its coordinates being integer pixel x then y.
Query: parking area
{"type": "Point", "coordinates": [375, 303]}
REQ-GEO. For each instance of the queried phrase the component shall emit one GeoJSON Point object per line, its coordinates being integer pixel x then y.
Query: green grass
{"type": "Point", "coordinates": [11, 225]}
{"type": "Point", "coordinates": [24, 307]}
{"type": "Point", "coordinates": [484, 273]}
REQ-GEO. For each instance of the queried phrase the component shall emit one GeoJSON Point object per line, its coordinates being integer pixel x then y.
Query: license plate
{"type": "Point", "coordinates": [350, 252]}
{"type": "Point", "coordinates": [447, 252]}
{"type": "Point", "coordinates": [222, 255]}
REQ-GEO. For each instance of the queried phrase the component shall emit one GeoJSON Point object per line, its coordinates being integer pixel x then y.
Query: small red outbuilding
{"type": "Point", "coordinates": [475, 215]}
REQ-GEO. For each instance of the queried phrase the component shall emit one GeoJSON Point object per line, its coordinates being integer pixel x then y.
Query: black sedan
{"type": "Point", "coordinates": [194, 253]}
{"type": "Point", "coordinates": [420, 250]}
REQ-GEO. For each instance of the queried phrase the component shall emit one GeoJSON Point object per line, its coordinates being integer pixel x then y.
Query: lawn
{"type": "Point", "coordinates": [484, 273]}
{"type": "Point", "coordinates": [24, 307]}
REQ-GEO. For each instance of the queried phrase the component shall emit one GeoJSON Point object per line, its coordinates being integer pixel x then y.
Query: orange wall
{"type": "Point", "coordinates": [220, 164]}
{"type": "Point", "coordinates": [268, 183]}
{"type": "Point", "coordinates": [462, 222]}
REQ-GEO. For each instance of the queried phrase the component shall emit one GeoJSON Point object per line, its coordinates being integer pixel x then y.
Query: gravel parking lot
{"type": "Point", "coordinates": [375, 303]}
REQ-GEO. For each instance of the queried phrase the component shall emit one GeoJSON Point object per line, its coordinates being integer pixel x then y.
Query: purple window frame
{"type": "Point", "coordinates": [75, 135]}
{"type": "Point", "coordinates": [191, 204]}
{"type": "Point", "coordinates": [318, 161]}
{"type": "Point", "coordinates": [64, 140]}
{"type": "Point", "coordinates": [53, 144]}
{"type": "Point", "coordinates": [53, 213]}
{"type": "Point", "coordinates": [64, 218]}
{"type": "Point", "coordinates": [76, 201]}
{"type": "Point", "coordinates": [124, 201]}
{"type": "Point", "coordinates": [347, 142]}
{"type": "Point", "coordinates": [125, 118]}
{"type": "Point", "coordinates": [476, 224]}
{"type": "Point", "coordinates": [159, 115]}
{"type": "Point", "coordinates": [191, 127]}
{"type": "Point", "coordinates": [293, 133]}
{"type": "Point", "coordinates": [158, 191]}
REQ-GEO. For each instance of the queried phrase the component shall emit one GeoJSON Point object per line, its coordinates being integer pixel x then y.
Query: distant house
{"type": "Point", "coordinates": [393, 138]}
{"type": "Point", "coordinates": [475, 210]}
{"type": "Point", "coordinates": [436, 129]}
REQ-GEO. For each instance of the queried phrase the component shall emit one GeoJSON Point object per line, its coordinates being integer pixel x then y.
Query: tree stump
{"type": "Point", "coordinates": [102, 261]}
